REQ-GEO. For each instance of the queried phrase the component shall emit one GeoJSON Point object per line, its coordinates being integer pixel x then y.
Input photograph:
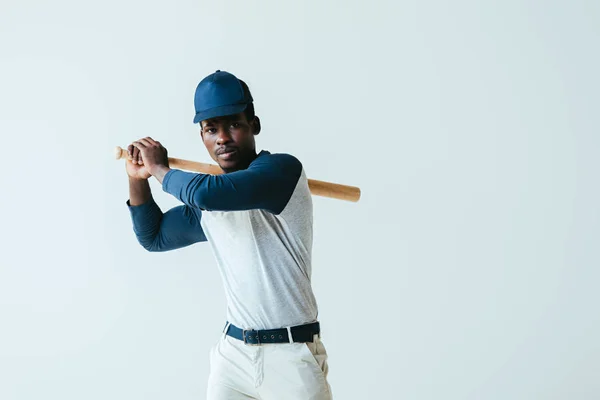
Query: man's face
{"type": "Point", "coordinates": [229, 141]}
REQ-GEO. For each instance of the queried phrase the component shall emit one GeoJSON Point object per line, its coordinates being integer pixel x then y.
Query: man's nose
{"type": "Point", "coordinates": [223, 136]}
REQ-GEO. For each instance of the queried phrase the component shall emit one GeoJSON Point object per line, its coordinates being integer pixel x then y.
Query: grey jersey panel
{"type": "Point", "coordinates": [265, 262]}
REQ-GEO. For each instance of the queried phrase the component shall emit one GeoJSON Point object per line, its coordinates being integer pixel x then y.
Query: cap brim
{"type": "Point", "coordinates": [220, 112]}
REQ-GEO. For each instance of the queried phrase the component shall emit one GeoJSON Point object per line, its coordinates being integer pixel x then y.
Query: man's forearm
{"type": "Point", "coordinates": [139, 191]}
{"type": "Point", "coordinates": [159, 172]}
{"type": "Point", "coordinates": [158, 231]}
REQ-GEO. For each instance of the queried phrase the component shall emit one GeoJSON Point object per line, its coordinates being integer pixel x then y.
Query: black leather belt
{"type": "Point", "coordinates": [300, 333]}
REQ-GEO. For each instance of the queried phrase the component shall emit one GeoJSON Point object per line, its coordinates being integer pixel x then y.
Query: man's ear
{"type": "Point", "coordinates": [256, 125]}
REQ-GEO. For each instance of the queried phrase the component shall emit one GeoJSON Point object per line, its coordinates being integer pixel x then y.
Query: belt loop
{"type": "Point", "coordinates": [290, 334]}
{"type": "Point", "coordinates": [226, 329]}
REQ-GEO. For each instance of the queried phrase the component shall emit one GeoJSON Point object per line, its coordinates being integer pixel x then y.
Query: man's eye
{"type": "Point", "coordinates": [235, 125]}
{"type": "Point", "coordinates": [210, 130]}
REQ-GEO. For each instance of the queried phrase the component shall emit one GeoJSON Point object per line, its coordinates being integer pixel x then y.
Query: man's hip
{"type": "Point", "coordinates": [295, 369]}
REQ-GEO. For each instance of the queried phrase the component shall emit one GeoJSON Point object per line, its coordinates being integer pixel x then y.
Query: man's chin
{"type": "Point", "coordinates": [229, 166]}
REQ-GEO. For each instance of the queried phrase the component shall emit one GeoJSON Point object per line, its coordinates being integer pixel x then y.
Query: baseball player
{"type": "Point", "coordinates": [258, 220]}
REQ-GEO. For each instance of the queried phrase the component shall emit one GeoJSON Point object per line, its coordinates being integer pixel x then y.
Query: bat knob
{"type": "Point", "coordinates": [118, 153]}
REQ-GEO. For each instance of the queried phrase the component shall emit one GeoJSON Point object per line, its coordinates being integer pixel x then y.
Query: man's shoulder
{"type": "Point", "coordinates": [280, 160]}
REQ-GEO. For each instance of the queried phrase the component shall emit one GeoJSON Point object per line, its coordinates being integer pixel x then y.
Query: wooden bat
{"type": "Point", "coordinates": [317, 188]}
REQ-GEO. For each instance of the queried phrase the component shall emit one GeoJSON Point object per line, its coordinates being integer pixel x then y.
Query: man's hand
{"type": "Point", "coordinates": [136, 171]}
{"type": "Point", "coordinates": [152, 155]}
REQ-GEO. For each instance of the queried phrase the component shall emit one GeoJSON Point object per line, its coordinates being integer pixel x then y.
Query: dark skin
{"type": "Point", "coordinates": [229, 140]}
{"type": "Point", "coordinates": [233, 134]}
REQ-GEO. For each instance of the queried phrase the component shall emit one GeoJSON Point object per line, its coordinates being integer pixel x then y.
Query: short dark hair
{"type": "Point", "coordinates": [249, 111]}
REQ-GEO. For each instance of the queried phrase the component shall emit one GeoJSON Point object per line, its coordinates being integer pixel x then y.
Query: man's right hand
{"type": "Point", "coordinates": [135, 165]}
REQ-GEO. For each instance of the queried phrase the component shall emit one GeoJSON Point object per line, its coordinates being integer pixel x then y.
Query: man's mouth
{"type": "Point", "coordinates": [227, 153]}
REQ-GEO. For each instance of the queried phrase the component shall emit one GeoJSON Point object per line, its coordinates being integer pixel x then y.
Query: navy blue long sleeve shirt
{"type": "Point", "coordinates": [258, 222]}
{"type": "Point", "coordinates": [266, 184]}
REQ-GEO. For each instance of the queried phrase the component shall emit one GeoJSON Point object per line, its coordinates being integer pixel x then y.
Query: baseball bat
{"type": "Point", "coordinates": [317, 188]}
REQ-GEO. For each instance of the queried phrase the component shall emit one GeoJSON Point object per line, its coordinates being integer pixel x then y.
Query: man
{"type": "Point", "coordinates": [257, 218]}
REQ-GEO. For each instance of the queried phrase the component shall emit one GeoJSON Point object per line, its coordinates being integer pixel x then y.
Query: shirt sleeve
{"type": "Point", "coordinates": [157, 231]}
{"type": "Point", "coordinates": [268, 184]}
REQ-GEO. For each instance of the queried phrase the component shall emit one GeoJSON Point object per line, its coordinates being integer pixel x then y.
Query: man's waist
{"type": "Point", "coordinates": [291, 334]}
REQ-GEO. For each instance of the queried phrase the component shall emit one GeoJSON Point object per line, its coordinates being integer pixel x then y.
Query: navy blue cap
{"type": "Point", "coordinates": [219, 94]}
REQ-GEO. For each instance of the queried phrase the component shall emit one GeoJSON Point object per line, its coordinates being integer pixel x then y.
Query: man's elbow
{"type": "Point", "coordinates": [152, 246]}
{"type": "Point", "coordinates": [153, 249]}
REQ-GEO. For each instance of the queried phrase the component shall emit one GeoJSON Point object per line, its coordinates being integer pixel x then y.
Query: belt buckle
{"type": "Point", "coordinates": [253, 334]}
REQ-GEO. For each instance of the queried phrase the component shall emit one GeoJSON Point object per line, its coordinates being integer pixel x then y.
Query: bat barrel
{"type": "Point", "coordinates": [334, 190]}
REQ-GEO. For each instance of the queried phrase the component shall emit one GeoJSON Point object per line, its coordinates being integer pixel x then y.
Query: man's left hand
{"type": "Point", "coordinates": [154, 157]}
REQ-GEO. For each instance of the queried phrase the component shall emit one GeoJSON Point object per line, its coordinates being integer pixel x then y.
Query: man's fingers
{"type": "Point", "coordinates": [140, 145]}
{"type": "Point", "coordinates": [129, 151]}
{"type": "Point", "coordinates": [148, 142]}
{"type": "Point", "coordinates": [152, 141]}
{"type": "Point", "coordinates": [135, 154]}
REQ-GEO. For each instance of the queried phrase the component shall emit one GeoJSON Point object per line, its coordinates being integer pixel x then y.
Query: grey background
{"type": "Point", "coordinates": [468, 270]}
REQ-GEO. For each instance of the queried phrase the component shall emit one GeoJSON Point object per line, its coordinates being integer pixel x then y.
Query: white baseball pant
{"type": "Point", "coordinates": [268, 371]}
